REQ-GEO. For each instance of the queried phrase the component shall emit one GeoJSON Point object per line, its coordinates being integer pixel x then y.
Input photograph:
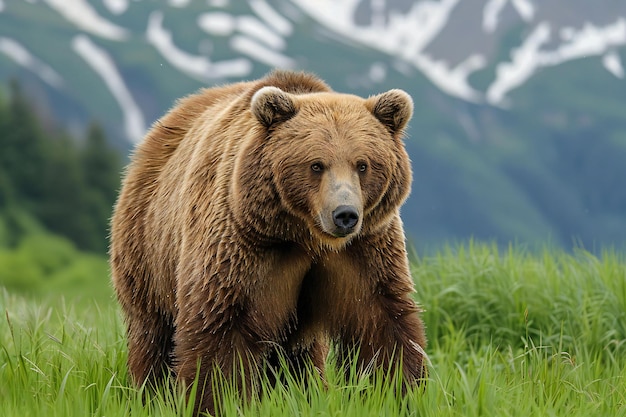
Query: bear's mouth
{"type": "Point", "coordinates": [337, 238]}
{"type": "Point", "coordinates": [341, 233]}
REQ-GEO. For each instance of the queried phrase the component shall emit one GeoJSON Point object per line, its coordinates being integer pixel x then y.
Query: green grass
{"type": "Point", "coordinates": [511, 334]}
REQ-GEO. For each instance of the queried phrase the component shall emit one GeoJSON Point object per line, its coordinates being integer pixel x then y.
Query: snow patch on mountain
{"type": "Point", "coordinates": [452, 81]}
{"type": "Point", "coordinates": [613, 63]}
{"type": "Point", "coordinates": [224, 24]}
{"type": "Point", "coordinates": [259, 52]}
{"type": "Point", "coordinates": [491, 12]}
{"type": "Point", "coordinates": [525, 9]}
{"type": "Point", "coordinates": [218, 3]}
{"type": "Point", "coordinates": [195, 66]}
{"type": "Point", "coordinates": [575, 44]}
{"type": "Point", "coordinates": [116, 6]}
{"type": "Point", "coordinates": [179, 3]}
{"type": "Point", "coordinates": [377, 72]}
{"type": "Point", "coordinates": [589, 41]}
{"type": "Point", "coordinates": [217, 23]}
{"type": "Point", "coordinates": [100, 61]}
{"type": "Point", "coordinates": [524, 63]}
{"type": "Point", "coordinates": [256, 29]}
{"type": "Point", "coordinates": [22, 56]}
{"type": "Point", "coordinates": [404, 35]}
{"type": "Point", "coordinates": [271, 17]}
{"type": "Point", "coordinates": [84, 16]}
{"type": "Point", "coordinates": [254, 38]}
{"type": "Point", "coordinates": [493, 8]}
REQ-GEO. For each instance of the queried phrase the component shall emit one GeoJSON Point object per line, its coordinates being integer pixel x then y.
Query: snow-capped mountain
{"type": "Point", "coordinates": [482, 72]}
{"type": "Point", "coordinates": [447, 41]}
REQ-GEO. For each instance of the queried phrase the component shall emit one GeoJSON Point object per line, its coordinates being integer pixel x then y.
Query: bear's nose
{"type": "Point", "coordinates": [345, 218]}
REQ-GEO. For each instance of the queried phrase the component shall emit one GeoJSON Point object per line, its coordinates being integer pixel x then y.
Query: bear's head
{"type": "Point", "coordinates": [337, 161]}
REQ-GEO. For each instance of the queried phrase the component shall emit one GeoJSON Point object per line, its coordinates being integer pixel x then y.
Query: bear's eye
{"type": "Point", "coordinates": [317, 167]}
{"type": "Point", "coordinates": [362, 167]}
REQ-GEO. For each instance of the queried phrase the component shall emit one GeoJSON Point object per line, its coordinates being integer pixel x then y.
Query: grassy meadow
{"type": "Point", "coordinates": [510, 334]}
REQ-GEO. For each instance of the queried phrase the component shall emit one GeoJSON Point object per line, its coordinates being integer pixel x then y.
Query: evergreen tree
{"type": "Point", "coordinates": [21, 144]}
{"type": "Point", "coordinates": [101, 164]}
{"type": "Point", "coordinates": [101, 167]}
{"type": "Point", "coordinates": [6, 188]}
{"type": "Point", "coordinates": [63, 204]}
{"type": "Point", "coordinates": [49, 179]}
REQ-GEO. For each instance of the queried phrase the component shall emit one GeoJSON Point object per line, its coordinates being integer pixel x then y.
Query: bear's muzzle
{"type": "Point", "coordinates": [345, 218]}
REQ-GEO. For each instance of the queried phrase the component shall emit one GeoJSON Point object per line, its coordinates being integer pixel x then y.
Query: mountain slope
{"type": "Point", "coordinates": [518, 131]}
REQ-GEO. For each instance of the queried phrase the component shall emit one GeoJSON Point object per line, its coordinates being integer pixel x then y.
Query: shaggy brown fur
{"type": "Point", "coordinates": [265, 215]}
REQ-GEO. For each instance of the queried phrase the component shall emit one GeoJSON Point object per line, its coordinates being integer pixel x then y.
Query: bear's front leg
{"type": "Point", "coordinates": [389, 337]}
{"type": "Point", "coordinates": [367, 291]}
{"type": "Point", "coordinates": [231, 314]}
{"type": "Point", "coordinates": [219, 353]}
{"type": "Point", "coordinates": [214, 339]}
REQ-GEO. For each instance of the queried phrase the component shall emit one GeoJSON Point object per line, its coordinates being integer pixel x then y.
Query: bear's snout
{"type": "Point", "coordinates": [345, 218]}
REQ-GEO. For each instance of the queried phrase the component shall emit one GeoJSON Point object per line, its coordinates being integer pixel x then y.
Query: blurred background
{"type": "Point", "coordinates": [519, 132]}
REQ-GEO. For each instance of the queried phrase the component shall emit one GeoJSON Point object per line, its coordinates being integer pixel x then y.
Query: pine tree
{"type": "Point", "coordinates": [51, 179]}
{"type": "Point", "coordinates": [101, 164]}
{"type": "Point", "coordinates": [21, 144]}
{"type": "Point", "coordinates": [101, 167]}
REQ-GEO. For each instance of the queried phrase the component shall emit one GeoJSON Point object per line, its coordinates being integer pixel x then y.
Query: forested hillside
{"type": "Point", "coordinates": [51, 182]}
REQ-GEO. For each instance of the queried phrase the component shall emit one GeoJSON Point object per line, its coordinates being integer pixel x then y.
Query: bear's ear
{"type": "Point", "coordinates": [272, 105]}
{"type": "Point", "coordinates": [393, 109]}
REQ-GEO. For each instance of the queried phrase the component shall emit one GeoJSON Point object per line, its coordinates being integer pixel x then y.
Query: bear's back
{"type": "Point", "coordinates": [165, 136]}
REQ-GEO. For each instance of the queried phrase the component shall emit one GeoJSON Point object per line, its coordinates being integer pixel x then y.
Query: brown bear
{"type": "Point", "coordinates": [263, 217]}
